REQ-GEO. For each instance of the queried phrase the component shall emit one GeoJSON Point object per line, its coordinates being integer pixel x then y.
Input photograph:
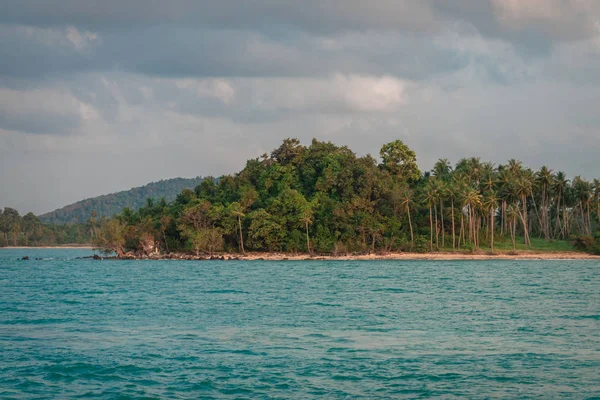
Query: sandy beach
{"type": "Point", "coordinates": [431, 256]}
{"type": "Point", "coordinates": [440, 256]}
{"type": "Point", "coordinates": [276, 256]}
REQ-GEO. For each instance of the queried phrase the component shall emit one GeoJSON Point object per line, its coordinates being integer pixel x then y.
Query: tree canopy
{"type": "Point", "coordinates": [323, 198]}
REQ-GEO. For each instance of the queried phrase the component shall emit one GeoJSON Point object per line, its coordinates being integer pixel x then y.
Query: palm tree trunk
{"type": "Point", "coordinates": [430, 229]}
{"type": "Point", "coordinates": [558, 224]}
{"type": "Point", "coordinates": [524, 219]}
{"type": "Point", "coordinates": [453, 233]}
{"type": "Point", "coordinates": [461, 233]}
{"type": "Point", "coordinates": [166, 244]}
{"type": "Point", "coordinates": [412, 238]}
{"type": "Point", "coordinates": [513, 233]}
{"type": "Point", "coordinates": [589, 219]}
{"type": "Point", "coordinates": [526, 233]}
{"type": "Point", "coordinates": [241, 235]}
{"type": "Point", "coordinates": [437, 243]}
{"type": "Point", "coordinates": [492, 228]}
{"type": "Point", "coordinates": [307, 238]}
{"type": "Point", "coordinates": [442, 220]}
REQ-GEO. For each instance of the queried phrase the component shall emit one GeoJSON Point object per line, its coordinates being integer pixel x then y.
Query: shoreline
{"type": "Point", "coordinates": [276, 256]}
{"type": "Point", "coordinates": [436, 256]}
{"type": "Point", "coordinates": [48, 247]}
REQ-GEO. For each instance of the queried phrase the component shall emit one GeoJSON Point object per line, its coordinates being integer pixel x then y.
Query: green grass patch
{"type": "Point", "coordinates": [504, 245]}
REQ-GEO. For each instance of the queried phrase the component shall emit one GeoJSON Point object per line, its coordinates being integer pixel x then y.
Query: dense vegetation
{"type": "Point", "coordinates": [111, 204]}
{"type": "Point", "coordinates": [28, 230]}
{"type": "Point", "coordinates": [324, 199]}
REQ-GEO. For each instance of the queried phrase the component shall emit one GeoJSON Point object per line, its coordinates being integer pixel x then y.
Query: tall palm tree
{"type": "Point", "coordinates": [442, 169]}
{"type": "Point", "coordinates": [544, 179]}
{"type": "Point", "coordinates": [559, 185]}
{"type": "Point", "coordinates": [406, 200]}
{"type": "Point", "coordinates": [431, 197]}
{"type": "Point", "coordinates": [490, 204]}
{"type": "Point", "coordinates": [504, 181]}
{"type": "Point", "coordinates": [512, 212]}
{"type": "Point", "coordinates": [596, 184]}
{"type": "Point", "coordinates": [524, 186]}
{"type": "Point", "coordinates": [238, 211]}
{"type": "Point", "coordinates": [307, 214]}
{"type": "Point", "coordinates": [452, 189]}
{"type": "Point", "coordinates": [472, 202]}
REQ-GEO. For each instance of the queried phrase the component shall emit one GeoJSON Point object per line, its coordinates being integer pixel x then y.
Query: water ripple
{"type": "Point", "coordinates": [74, 328]}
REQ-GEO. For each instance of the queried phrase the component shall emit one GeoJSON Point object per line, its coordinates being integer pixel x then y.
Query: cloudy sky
{"type": "Point", "coordinates": [101, 96]}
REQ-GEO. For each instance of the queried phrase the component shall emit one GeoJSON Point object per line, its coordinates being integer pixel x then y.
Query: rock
{"type": "Point", "coordinates": [96, 257]}
{"type": "Point", "coordinates": [25, 258]}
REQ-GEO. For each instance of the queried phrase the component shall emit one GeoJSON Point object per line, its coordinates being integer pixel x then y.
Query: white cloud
{"type": "Point", "coordinates": [47, 110]}
{"type": "Point", "coordinates": [80, 40]}
{"type": "Point", "coordinates": [338, 93]}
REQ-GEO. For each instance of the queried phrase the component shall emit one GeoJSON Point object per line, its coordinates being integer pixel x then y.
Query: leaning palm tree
{"type": "Point", "coordinates": [524, 186]}
{"type": "Point", "coordinates": [238, 211]}
{"type": "Point", "coordinates": [407, 195]}
{"type": "Point", "coordinates": [512, 212]}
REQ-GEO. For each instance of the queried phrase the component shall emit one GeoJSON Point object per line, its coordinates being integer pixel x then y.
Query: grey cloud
{"type": "Point", "coordinates": [150, 90]}
{"type": "Point", "coordinates": [534, 21]}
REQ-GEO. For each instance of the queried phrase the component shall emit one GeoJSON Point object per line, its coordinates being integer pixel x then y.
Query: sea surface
{"type": "Point", "coordinates": [73, 328]}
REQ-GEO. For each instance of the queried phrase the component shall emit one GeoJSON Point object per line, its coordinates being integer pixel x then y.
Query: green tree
{"type": "Point", "coordinates": [400, 161]}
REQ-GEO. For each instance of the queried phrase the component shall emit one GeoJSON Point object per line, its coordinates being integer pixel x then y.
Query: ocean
{"type": "Point", "coordinates": [80, 328]}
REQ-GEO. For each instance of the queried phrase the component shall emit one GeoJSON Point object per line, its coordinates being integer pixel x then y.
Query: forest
{"type": "Point", "coordinates": [110, 204]}
{"type": "Point", "coordinates": [29, 230]}
{"type": "Point", "coordinates": [324, 199]}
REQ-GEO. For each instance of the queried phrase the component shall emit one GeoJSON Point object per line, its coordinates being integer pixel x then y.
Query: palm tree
{"type": "Point", "coordinates": [406, 200]}
{"type": "Point", "coordinates": [442, 169]}
{"type": "Point", "coordinates": [583, 193]}
{"type": "Point", "coordinates": [596, 184]}
{"type": "Point", "coordinates": [491, 203]}
{"type": "Point", "coordinates": [238, 211]}
{"type": "Point", "coordinates": [452, 189]}
{"type": "Point", "coordinates": [559, 185]}
{"type": "Point", "coordinates": [544, 179]}
{"type": "Point", "coordinates": [431, 196]}
{"type": "Point", "coordinates": [307, 214]}
{"type": "Point", "coordinates": [472, 202]}
{"type": "Point", "coordinates": [524, 186]}
{"type": "Point", "coordinates": [512, 212]}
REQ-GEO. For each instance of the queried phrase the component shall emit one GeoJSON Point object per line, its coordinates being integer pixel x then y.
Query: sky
{"type": "Point", "coordinates": [101, 96]}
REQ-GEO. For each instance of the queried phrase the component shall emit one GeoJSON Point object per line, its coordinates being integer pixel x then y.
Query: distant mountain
{"type": "Point", "coordinates": [111, 204]}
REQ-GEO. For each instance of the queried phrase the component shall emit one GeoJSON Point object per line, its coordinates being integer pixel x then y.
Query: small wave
{"type": "Point", "coordinates": [392, 290]}
{"type": "Point", "coordinates": [225, 291]}
{"type": "Point", "coordinates": [325, 304]}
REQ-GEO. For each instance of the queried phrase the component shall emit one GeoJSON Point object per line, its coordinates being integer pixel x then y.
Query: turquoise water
{"type": "Point", "coordinates": [316, 329]}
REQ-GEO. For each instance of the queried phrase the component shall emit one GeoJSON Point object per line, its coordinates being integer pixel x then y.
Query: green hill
{"type": "Point", "coordinates": [111, 204]}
